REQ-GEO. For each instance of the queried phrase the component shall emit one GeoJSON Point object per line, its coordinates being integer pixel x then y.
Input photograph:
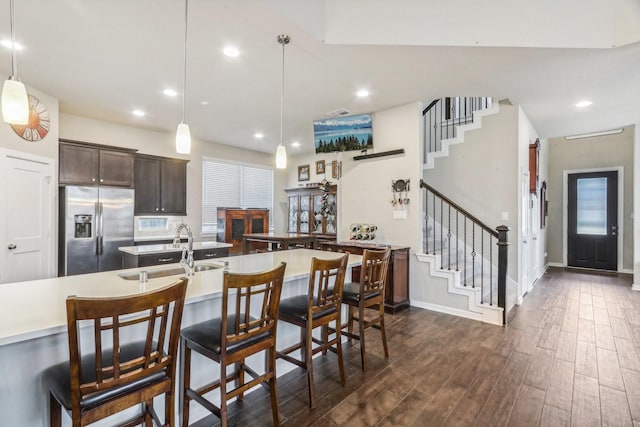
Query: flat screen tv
{"type": "Point", "coordinates": [343, 133]}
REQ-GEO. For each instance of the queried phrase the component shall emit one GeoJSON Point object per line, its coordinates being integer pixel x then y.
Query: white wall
{"type": "Point", "coordinates": [163, 144]}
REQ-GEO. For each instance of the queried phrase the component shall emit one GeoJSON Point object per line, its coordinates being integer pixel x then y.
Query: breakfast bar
{"type": "Point", "coordinates": [33, 332]}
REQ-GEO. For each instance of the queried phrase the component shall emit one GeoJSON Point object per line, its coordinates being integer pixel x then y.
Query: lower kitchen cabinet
{"type": "Point", "coordinates": [133, 261]}
{"type": "Point", "coordinates": [396, 292]}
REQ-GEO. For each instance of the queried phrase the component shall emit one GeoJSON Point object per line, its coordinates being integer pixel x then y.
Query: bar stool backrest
{"type": "Point", "coordinates": [374, 271]}
{"type": "Point", "coordinates": [325, 284]}
{"type": "Point", "coordinates": [154, 317]}
{"type": "Point", "coordinates": [262, 290]}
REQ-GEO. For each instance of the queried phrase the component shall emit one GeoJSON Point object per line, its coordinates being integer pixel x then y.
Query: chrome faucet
{"type": "Point", "coordinates": [187, 253]}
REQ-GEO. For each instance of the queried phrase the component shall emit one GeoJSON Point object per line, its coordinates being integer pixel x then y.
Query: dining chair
{"type": "Point", "coordinates": [247, 326]}
{"type": "Point", "coordinates": [367, 295]}
{"type": "Point", "coordinates": [113, 375]}
{"type": "Point", "coordinates": [318, 308]}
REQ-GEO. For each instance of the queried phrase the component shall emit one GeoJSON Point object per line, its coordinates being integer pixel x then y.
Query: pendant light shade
{"type": "Point", "coordinates": [183, 139]}
{"type": "Point", "coordinates": [281, 157]}
{"type": "Point", "coordinates": [281, 152]}
{"type": "Point", "coordinates": [183, 134]}
{"type": "Point", "coordinates": [15, 103]}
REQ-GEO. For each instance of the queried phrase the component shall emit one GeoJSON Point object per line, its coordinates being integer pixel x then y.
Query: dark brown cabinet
{"type": "Point", "coordinates": [233, 223]}
{"type": "Point", "coordinates": [161, 185]}
{"type": "Point", "coordinates": [396, 292]}
{"type": "Point", "coordinates": [86, 164]}
{"type": "Point", "coordinates": [305, 211]}
{"type": "Point", "coordinates": [133, 261]}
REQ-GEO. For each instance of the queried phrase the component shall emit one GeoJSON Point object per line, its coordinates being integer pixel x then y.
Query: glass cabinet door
{"type": "Point", "coordinates": [293, 214]}
{"type": "Point", "coordinates": [317, 213]}
{"type": "Point", "coordinates": [331, 224]}
{"type": "Point", "coordinates": [305, 208]}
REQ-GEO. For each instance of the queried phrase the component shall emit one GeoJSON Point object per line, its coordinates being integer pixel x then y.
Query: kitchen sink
{"type": "Point", "coordinates": [154, 274]}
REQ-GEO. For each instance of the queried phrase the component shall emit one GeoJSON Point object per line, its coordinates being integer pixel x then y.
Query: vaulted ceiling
{"type": "Point", "coordinates": [103, 59]}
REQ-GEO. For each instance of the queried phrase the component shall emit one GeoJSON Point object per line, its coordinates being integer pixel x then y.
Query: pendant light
{"type": "Point", "coordinates": [183, 134]}
{"type": "Point", "coordinates": [281, 152]}
{"type": "Point", "coordinates": [15, 103]}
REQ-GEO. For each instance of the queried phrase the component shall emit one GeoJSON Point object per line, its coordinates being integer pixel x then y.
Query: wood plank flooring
{"type": "Point", "coordinates": [569, 357]}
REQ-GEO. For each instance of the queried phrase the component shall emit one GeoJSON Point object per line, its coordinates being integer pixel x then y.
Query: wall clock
{"type": "Point", "coordinates": [39, 123]}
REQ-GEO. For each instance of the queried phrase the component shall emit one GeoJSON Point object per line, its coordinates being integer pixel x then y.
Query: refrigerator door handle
{"type": "Point", "coordinates": [97, 226]}
{"type": "Point", "coordinates": [101, 228]}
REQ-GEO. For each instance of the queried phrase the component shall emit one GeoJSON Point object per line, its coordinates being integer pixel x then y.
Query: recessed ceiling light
{"type": "Point", "coordinates": [204, 102]}
{"type": "Point", "coordinates": [8, 44]}
{"type": "Point", "coordinates": [362, 93]}
{"type": "Point", "coordinates": [295, 144]}
{"type": "Point", "coordinates": [258, 135]}
{"type": "Point", "coordinates": [170, 92]}
{"type": "Point", "coordinates": [231, 51]}
{"type": "Point", "coordinates": [138, 113]}
{"type": "Point", "coordinates": [583, 104]}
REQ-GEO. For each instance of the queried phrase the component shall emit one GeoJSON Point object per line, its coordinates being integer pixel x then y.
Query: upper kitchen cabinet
{"type": "Point", "coordinates": [161, 185]}
{"type": "Point", "coordinates": [92, 164]}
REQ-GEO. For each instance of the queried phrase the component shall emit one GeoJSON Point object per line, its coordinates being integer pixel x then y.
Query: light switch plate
{"type": "Point", "coordinates": [399, 214]}
{"type": "Point", "coordinates": [505, 216]}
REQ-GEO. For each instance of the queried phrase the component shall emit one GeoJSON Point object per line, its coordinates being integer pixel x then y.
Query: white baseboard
{"type": "Point", "coordinates": [635, 287]}
{"type": "Point", "coordinates": [555, 264]}
{"type": "Point", "coordinates": [494, 320]}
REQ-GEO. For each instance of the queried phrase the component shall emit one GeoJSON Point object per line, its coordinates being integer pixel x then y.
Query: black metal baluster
{"type": "Point", "coordinates": [464, 266]}
{"type": "Point", "coordinates": [482, 264]}
{"type": "Point", "coordinates": [434, 223]}
{"type": "Point", "coordinates": [473, 255]}
{"type": "Point", "coordinates": [449, 237]}
{"type": "Point", "coordinates": [426, 226]}
{"type": "Point", "coordinates": [491, 271]}
{"type": "Point", "coordinates": [457, 242]}
{"type": "Point", "coordinates": [441, 238]}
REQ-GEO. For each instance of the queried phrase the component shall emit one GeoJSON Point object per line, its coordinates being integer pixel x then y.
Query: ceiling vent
{"type": "Point", "coordinates": [337, 113]}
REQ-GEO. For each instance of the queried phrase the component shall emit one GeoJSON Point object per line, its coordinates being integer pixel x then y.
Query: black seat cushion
{"type": "Point", "coordinates": [297, 308]}
{"type": "Point", "coordinates": [207, 335]}
{"type": "Point", "coordinates": [351, 293]}
{"type": "Point", "coordinates": [58, 378]}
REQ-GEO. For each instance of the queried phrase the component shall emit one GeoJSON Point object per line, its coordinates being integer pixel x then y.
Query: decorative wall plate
{"type": "Point", "coordinates": [400, 185]}
{"type": "Point", "coordinates": [39, 122]}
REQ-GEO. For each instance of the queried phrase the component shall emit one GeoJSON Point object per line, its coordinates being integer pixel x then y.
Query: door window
{"type": "Point", "coordinates": [592, 206]}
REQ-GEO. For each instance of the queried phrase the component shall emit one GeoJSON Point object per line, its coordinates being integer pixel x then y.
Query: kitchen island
{"type": "Point", "coordinates": [33, 333]}
{"type": "Point", "coordinates": [146, 255]}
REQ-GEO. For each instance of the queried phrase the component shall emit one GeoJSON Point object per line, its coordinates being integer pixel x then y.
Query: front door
{"type": "Point", "coordinates": [592, 240]}
{"type": "Point", "coordinates": [26, 218]}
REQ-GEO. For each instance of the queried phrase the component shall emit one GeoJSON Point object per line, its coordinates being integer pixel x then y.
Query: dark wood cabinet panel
{"type": "Point", "coordinates": [87, 164]}
{"type": "Point", "coordinates": [116, 168]}
{"type": "Point", "coordinates": [158, 259]}
{"type": "Point", "coordinates": [133, 261]}
{"type": "Point", "coordinates": [161, 185]}
{"type": "Point", "coordinates": [396, 293]}
{"type": "Point", "coordinates": [210, 253]}
{"type": "Point", "coordinates": [233, 223]}
{"type": "Point", "coordinates": [78, 164]}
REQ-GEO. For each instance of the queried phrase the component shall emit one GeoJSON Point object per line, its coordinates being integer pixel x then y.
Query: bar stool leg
{"type": "Point", "coordinates": [361, 334]}
{"type": "Point", "coordinates": [240, 370]}
{"type": "Point", "coordinates": [273, 390]}
{"type": "Point", "coordinates": [55, 412]}
{"type": "Point", "coordinates": [339, 351]}
{"type": "Point", "coordinates": [350, 323]}
{"type": "Point", "coordinates": [185, 381]}
{"type": "Point", "coordinates": [383, 331]}
{"type": "Point", "coordinates": [223, 395]}
{"type": "Point", "coordinates": [148, 420]}
{"type": "Point", "coordinates": [309, 363]}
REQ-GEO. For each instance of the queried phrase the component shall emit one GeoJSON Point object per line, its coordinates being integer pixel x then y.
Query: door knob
{"type": "Point", "coordinates": [11, 246]}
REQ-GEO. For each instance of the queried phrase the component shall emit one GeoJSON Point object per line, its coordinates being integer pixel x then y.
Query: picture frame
{"type": "Point", "coordinates": [320, 167]}
{"type": "Point", "coordinates": [334, 169]}
{"type": "Point", "coordinates": [304, 173]}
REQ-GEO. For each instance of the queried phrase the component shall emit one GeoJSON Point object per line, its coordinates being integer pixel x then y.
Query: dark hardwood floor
{"type": "Point", "coordinates": [568, 357]}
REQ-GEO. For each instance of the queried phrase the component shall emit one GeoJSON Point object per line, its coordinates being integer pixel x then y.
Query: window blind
{"type": "Point", "coordinates": [234, 185]}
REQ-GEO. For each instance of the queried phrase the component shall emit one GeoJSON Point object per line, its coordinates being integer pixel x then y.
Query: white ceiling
{"type": "Point", "coordinates": [102, 59]}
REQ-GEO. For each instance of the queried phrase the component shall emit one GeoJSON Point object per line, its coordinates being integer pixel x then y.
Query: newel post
{"type": "Point", "coordinates": [503, 246]}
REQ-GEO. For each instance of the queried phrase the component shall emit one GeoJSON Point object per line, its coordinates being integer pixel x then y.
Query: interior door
{"type": "Point", "coordinates": [592, 220]}
{"type": "Point", "coordinates": [26, 218]}
{"type": "Point", "coordinates": [525, 232]}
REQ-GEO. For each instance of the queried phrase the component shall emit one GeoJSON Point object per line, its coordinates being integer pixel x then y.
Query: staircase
{"type": "Point", "coordinates": [460, 248]}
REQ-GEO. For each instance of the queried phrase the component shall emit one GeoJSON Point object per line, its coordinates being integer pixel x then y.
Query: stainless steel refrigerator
{"type": "Point", "coordinates": [94, 223]}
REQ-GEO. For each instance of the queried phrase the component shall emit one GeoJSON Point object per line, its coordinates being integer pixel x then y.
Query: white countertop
{"type": "Point", "coordinates": [158, 249]}
{"type": "Point", "coordinates": [37, 308]}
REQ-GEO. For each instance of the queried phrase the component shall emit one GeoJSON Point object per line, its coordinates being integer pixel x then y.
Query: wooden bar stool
{"type": "Point", "coordinates": [319, 307]}
{"type": "Point", "coordinates": [368, 294]}
{"type": "Point", "coordinates": [114, 377]}
{"type": "Point", "coordinates": [233, 337]}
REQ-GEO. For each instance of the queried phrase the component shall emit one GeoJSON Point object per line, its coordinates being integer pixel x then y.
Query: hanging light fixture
{"type": "Point", "coordinates": [15, 103]}
{"type": "Point", "coordinates": [281, 152]}
{"type": "Point", "coordinates": [183, 134]}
